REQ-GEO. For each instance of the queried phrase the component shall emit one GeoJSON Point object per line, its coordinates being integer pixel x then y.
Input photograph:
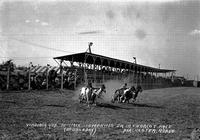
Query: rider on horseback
{"type": "Point", "coordinates": [124, 87]}
{"type": "Point", "coordinates": [89, 85]}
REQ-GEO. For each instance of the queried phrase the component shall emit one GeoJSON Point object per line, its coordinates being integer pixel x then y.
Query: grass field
{"type": "Point", "coordinates": [59, 115]}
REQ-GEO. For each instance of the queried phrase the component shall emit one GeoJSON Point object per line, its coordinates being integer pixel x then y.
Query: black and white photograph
{"type": "Point", "coordinates": [99, 70]}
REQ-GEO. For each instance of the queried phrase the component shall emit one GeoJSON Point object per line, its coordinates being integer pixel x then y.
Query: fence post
{"type": "Point", "coordinates": [8, 78]}
{"type": "Point", "coordinates": [29, 76]}
{"type": "Point", "coordinates": [47, 74]}
{"type": "Point", "coordinates": [29, 79]}
{"type": "Point", "coordinates": [61, 70]}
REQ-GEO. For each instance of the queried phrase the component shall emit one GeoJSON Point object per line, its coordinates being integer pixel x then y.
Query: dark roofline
{"type": "Point", "coordinates": [80, 57]}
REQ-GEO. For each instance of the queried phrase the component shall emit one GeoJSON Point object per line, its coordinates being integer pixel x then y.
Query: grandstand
{"type": "Point", "coordinates": [81, 68]}
{"type": "Point", "coordinates": [96, 68]}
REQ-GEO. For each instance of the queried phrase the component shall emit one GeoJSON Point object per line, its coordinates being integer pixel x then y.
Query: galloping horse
{"type": "Point", "coordinates": [128, 94]}
{"type": "Point", "coordinates": [117, 95]}
{"type": "Point", "coordinates": [138, 89]}
{"type": "Point", "coordinates": [90, 94]}
{"type": "Point", "coordinates": [125, 95]}
{"type": "Point", "coordinates": [131, 93]}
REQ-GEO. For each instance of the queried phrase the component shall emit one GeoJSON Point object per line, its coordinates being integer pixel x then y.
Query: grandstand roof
{"type": "Point", "coordinates": [92, 58]}
{"type": "Point", "coordinates": [42, 69]}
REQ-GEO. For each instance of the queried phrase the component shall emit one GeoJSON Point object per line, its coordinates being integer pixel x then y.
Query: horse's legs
{"type": "Point", "coordinates": [118, 98]}
{"type": "Point", "coordinates": [136, 94]}
{"type": "Point", "coordinates": [87, 99]}
{"type": "Point", "coordinates": [113, 99]}
{"type": "Point", "coordinates": [121, 99]}
{"type": "Point", "coordinates": [124, 101]}
{"type": "Point", "coordinates": [80, 98]}
{"type": "Point", "coordinates": [93, 98]}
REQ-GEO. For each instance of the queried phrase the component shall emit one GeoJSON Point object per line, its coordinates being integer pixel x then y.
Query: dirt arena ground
{"type": "Point", "coordinates": [158, 114]}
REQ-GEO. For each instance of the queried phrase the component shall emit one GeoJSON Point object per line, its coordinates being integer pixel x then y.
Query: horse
{"type": "Point", "coordinates": [131, 93]}
{"type": "Point", "coordinates": [91, 94]}
{"type": "Point", "coordinates": [117, 95]}
{"type": "Point", "coordinates": [128, 94]}
{"type": "Point", "coordinates": [83, 94]}
{"type": "Point", "coordinates": [138, 89]}
{"type": "Point", "coordinates": [97, 93]}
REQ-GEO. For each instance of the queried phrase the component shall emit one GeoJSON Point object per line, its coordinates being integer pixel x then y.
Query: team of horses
{"type": "Point", "coordinates": [90, 95]}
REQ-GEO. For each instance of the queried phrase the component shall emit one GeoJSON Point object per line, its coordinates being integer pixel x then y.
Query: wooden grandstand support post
{"type": "Point", "coordinates": [151, 78]}
{"type": "Point", "coordinates": [29, 79]}
{"type": "Point", "coordinates": [61, 73]}
{"type": "Point", "coordinates": [120, 72]}
{"type": "Point", "coordinates": [8, 78]}
{"type": "Point", "coordinates": [108, 71]}
{"type": "Point", "coordinates": [141, 78]}
{"type": "Point", "coordinates": [85, 75]}
{"type": "Point", "coordinates": [75, 76]}
{"type": "Point", "coordinates": [84, 70]}
{"type": "Point", "coordinates": [146, 77]}
{"type": "Point", "coordinates": [47, 75]}
{"type": "Point", "coordinates": [29, 76]}
{"type": "Point", "coordinates": [101, 67]}
{"type": "Point", "coordinates": [114, 70]}
{"type": "Point", "coordinates": [151, 81]}
{"type": "Point", "coordinates": [139, 75]}
{"type": "Point", "coordinates": [156, 80]}
{"type": "Point", "coordinates": [132, 75]}
{"type": "Point", "coordinates": [136, 75]}
{"type": "Point", "coordinates": [94, 70]}
{"type": "Point", "coordinates": [103, 79]}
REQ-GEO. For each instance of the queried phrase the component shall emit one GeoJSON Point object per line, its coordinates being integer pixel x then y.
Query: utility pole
{"type": "Point", "coordinates": [90, 44]}
{"type": "Point", "coordinates": [135, 62]}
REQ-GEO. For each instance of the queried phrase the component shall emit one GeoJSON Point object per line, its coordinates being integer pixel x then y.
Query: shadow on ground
{"type": "Point", "coordinates": [107, 105]}
{"type": "Point", "coordinates": [146, 105]}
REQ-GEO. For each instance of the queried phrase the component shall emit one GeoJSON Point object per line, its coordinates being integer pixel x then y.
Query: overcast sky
{"type": "Point", "coordinates": [155, 32]}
